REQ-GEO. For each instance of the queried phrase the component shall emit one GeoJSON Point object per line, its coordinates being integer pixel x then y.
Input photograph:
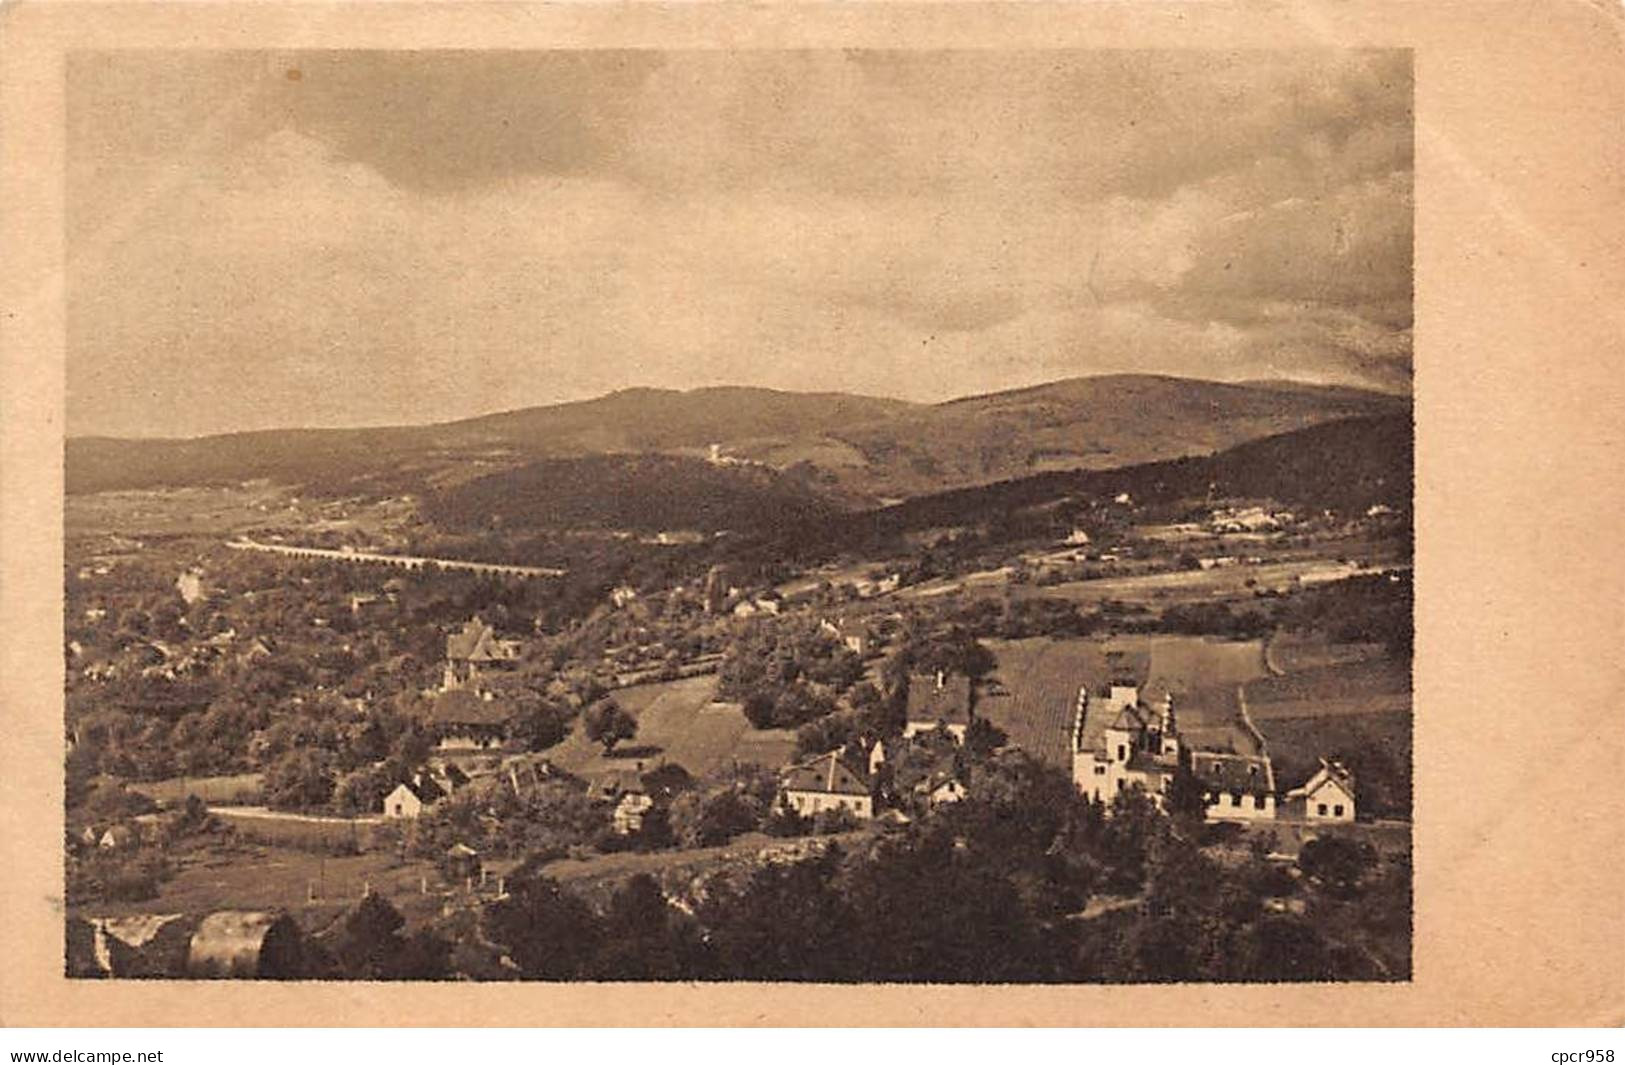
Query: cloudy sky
{"type": "Point", "coordinates": [348, 238]}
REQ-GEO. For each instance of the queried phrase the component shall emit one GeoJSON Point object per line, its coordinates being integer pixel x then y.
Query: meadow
{"type": "Point", "coordinates": [678, 721]}
{"type": "Point", "coordinates": [230, 789]}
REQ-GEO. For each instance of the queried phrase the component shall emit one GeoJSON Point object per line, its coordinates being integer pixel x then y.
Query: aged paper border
{"type": "Point", "coordinates": [1520, 918]}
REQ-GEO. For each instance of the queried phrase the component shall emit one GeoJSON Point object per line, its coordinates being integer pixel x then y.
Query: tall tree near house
{"type": "Point", "coordinates": [606, 723]}
{"type": "Point", "coordinates": [298, 780]}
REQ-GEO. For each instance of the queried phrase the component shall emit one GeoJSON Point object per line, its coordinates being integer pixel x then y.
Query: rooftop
{"type": "Point", "coordinates": [944, 697]}
{"type": "Point", "coordinates": [826, 773]}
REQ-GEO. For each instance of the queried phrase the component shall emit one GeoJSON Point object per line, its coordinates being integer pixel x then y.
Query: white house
{"type": "Point", "coordinates": [825, 783]}
{"type": "Point", "coordinates": [410, 798]}
{"type": "Point", "coordinates": [1326, 796]}
{"type": "Point", "coordinates": [1118, 744]}
{"type": "Point", "coordinates": [630, 811]}
{"type": "Point", "coordinates": [940, 790]}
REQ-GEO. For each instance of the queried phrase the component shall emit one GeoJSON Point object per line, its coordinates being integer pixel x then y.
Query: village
{"type": "Point", "coordinates": [693, 732]}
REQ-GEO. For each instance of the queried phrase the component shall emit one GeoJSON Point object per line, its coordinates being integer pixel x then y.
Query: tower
{"type": "Point", "coordinates": [1169, 728]}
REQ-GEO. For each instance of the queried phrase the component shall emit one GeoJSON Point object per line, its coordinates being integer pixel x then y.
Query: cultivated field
{"type": "Point", "coordinates": [1187, 586]}
{"type": "Point", "coordinates": [1376, 747]}
{"type": "Point", "coordinates": [678, 721]}
{"type": "Point", "coordinates": [1035, 697]}
{"type": "Point", "coordinates": [1356, 709]}
{"type": "Point", "coordinates": [1376, 686]}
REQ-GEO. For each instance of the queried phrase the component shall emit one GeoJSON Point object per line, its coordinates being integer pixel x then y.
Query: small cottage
{"type": "Point", "coordinates": [1326, 796]}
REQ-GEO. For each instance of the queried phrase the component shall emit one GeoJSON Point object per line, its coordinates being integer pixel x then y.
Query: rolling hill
{"type": "Point", "coordinates": [1345, 466]}
{"type": "Point", "coordinates": [849, 451]}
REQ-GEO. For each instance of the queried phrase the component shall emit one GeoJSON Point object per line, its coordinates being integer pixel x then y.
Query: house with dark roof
{"type": "Point", "coordinates": [1235, 787]}
{"type": "Point", "coordinates": [825, 783]}
{"type": "Point", "coordinates": [941, 700]}
{"type": "Point", "coordinates": [470, 721]}
{"type": "Point", "coordinates": [411, 797]}
{"type": "Point", "coordinates": [475, 651]}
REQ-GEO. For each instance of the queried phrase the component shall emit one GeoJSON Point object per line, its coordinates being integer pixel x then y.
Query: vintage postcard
{"type": "Point", "coordinates": [882, 502]}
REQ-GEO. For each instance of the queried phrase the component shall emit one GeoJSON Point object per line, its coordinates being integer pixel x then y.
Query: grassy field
{"type": "Point", "coordinates": [312, 833]}
{"type": "Point", "coordinates": [678, 721]}
{"type": "Point", "coordinates": [234, 788]}
{"type": "Point", "coordinates": [1035, 696]}
{"type": "Point", "coordinates": [1296, 653]}
{"type": "Point", "coordinates": [1224, 583]}
{"type": "Point", "coordinates": [252, 877]}
{"type": "Point", "coordinates": [598, 876]}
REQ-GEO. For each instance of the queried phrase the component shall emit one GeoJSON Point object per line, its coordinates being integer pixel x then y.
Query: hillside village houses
{"type": "Point", "coordinates": [469, 711]}
{"type": "Point", "coordinates": [1117, 743]}
{"type": "Point", "coordinates": [1235, 787]}
{"type": "Point", "coordinates": [469, 721]}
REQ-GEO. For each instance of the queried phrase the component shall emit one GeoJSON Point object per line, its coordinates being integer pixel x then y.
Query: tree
{"type": "Point", "coordinates": [1339, 863]}
{"type": "Point", "coordinates": [606, 723]}
{"type": "Point", "coordinates": [983, 737]}
{"type": "Point", "coordinates": [541, 728]}
{"type": "Point", "coordinates": [298, 780]}
{"type": "Point", "coordinates": [641, 943]}
{"type": "Point", "coordinates": [551, 935]}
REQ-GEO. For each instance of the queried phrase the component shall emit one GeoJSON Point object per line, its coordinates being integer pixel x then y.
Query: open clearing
{"type": "Point", "coordinates": [250, 877]}
{"type": "Point", "coordinates": [232, 788]}
{"type": "Point", "coordinates": [1037, 679]}
{"type": "Point", "coordinates": [678, 721]}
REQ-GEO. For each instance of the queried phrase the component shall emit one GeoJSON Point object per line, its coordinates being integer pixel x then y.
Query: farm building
{"type": "Point", "coordinates": [1235, 787]}
{"type": "Point", "coordinates": [1326, 796]}
{"type": "Point", "coordinates": [940, 788]}
{"type": "Point", "coordinates": [942, 700]}
{"type": "Point", "coordinates": [247, 945]}
{"type": "Point", "coordinates": [825, 783]}
{"type": "Point", "coordinates": [460, 862]}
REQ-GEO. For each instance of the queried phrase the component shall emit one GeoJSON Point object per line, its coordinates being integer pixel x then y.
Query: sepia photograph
{"type": "Point", "coordinates": [824, 515]}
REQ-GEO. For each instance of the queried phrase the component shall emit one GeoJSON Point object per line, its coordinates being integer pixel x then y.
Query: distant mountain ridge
{"type": "Point", "coordinates": [853, 449]}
